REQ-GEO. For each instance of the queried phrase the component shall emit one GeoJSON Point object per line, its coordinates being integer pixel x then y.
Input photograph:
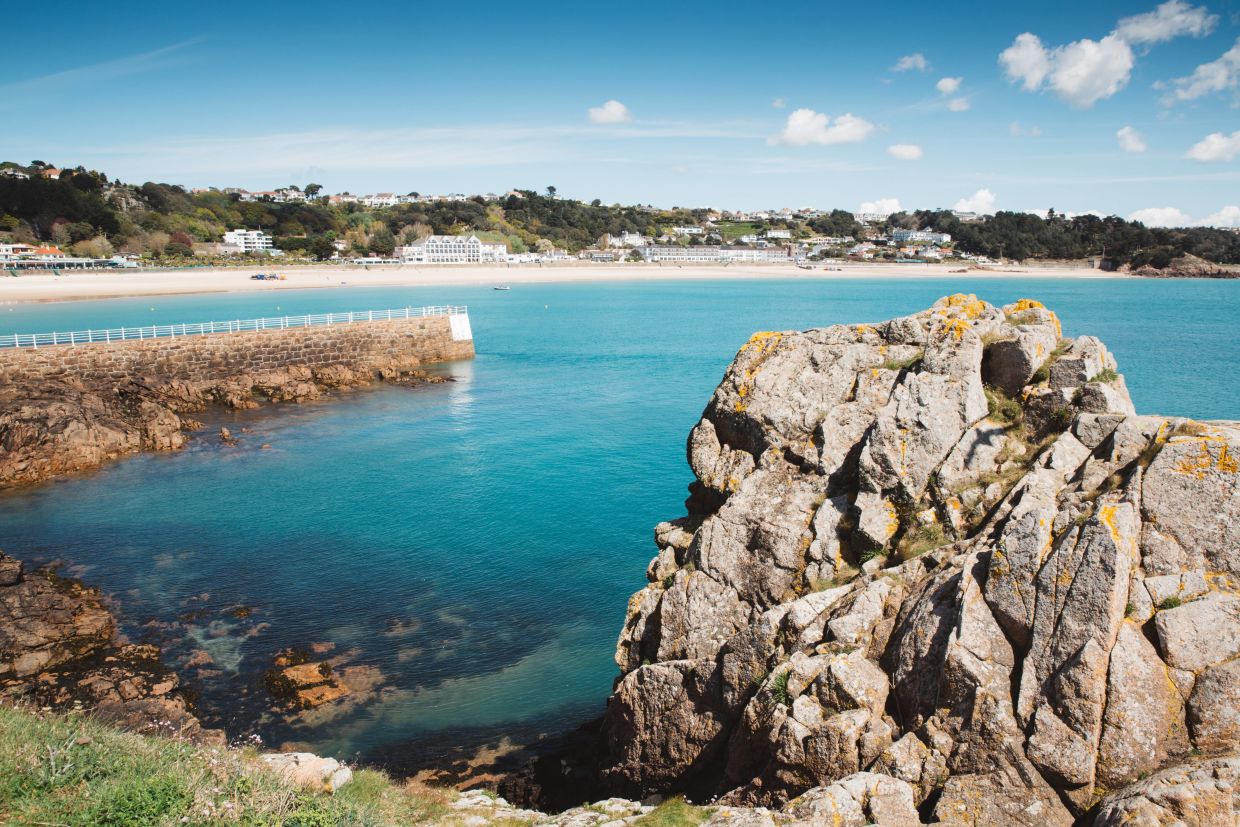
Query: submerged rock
{"type": "Point", "coordinates": [58, 648]}
{"type": "Point", "coordinates": [939, 561]}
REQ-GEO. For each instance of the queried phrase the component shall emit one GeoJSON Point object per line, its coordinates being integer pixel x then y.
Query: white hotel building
{"type": "Point", "coordinates": [451, 249]}
{"type": "Point", "coordinates": [714, 253]}
{"type": "Point", "coordinates": [248, 241]}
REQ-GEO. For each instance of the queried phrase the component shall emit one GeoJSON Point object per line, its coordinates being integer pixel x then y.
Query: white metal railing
{"type": "Point", "coordinates": [159, 331]}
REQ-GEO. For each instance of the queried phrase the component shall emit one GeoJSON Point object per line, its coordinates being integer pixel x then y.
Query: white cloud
{"type": "Point", "coordinates": [1228, 216]}
{"type": "Point", "coordinates": [779, 103]}
{"type": "Point", "coordinates": [1081, 73]}
{"type": "Point", "coordinates": [1170, 20]}
{"type": "Point", "coordinates": [1215, 76]}
{"type": "Point", "coordinates": [1130, 140]}
{"type": "Point", "coordinates": [982, 201]}
{"type": "Point", "coordinates": [1026, 60]}
{"type": "Point", "coordinates": [905, 152]}
{"type": "Point", "coordinates": [613, 111]}
{"type": "Point", "coordinates": [805, 126]}
{"type": "Point", "coordinates": [1017, 131]}
{"type": "Point", "coordinates": [958, 105]}
{"type": "Point", "coordinates": [1087, 71]}
{"type": "Point", "coordinates": [916, 61]}
{"type": "Point", "coordinates": [948, 86]}
{"type": "Point", "coordinates": [1216, 147]}
{"type": "Point", "coordinates": [1161, 217]}
{"type": "Point", "coordinates": [880, 206]}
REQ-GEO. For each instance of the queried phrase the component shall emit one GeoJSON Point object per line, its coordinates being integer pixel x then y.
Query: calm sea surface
{"type": "Point", "coordinates": [473, 544]}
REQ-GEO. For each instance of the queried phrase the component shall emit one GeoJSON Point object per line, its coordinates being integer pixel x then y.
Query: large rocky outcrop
{"type": "Point", "coordinates": [943, 550]}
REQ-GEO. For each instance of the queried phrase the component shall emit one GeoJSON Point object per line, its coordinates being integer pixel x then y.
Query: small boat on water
{"type": "Point", "coordinates": [501, 287]}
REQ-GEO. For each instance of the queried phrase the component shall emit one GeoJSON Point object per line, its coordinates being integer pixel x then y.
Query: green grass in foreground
{"type": "Point", "coordinates": [69, 770]}
{"type": "Point", "coordinates": [674, 812]}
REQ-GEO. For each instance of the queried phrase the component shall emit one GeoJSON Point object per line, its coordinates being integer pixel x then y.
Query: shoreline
{"type": "Point", "coordinates": [110, 284]}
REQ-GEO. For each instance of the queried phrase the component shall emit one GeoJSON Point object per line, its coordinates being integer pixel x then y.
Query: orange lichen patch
{"type": "Point", "coordinates": [954, 327]}
{"type": "Point", "coordinates": [893, 520]}
{"type": "Point", "coordinates": [1026, 304]}
{"type": "Point", "coordinates": [1106, 516]}
{"type": "Point", "coordinates": [1039, 349]}
{"type": "Point", "coordinates": [863, 329]}
{"type": "Point", "coordinates": [740, 407]}
{"type": "Point", "coordinates": [1055, 320]}
{"type": "Point", "coordinates": [763, 340]}
{"type": "Point", "coordinates": [1204, 462]}
{"type": "Point", "coordinates": [759, 346]}
{"type": "Point", "coordinates": [964, 305]}
{"type": "Point", "coordinates": [1221, 581]}
{"type": "Point", "coordinates": [734, 484]}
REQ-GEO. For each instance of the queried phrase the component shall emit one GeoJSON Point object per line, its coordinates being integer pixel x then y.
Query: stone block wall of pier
{"type": "Point", "coordinates": [399, 344]}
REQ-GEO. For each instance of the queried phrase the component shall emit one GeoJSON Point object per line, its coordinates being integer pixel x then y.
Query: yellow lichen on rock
{"type": "Point", "coordinates": [1026, 304]}
{"type": "Point", "coordinates": [953, 327]}
{"type": "Point", "coordinates": [963, 305]}
{"type": "Point", "coordinates": [1202, 463]}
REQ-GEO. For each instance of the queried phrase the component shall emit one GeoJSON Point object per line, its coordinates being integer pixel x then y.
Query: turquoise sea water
{"type": "Point", "coordinates": [474, 543]}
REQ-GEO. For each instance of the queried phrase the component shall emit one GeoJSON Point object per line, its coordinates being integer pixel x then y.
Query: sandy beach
{"type": "Point", "coordinates": [86, 284]}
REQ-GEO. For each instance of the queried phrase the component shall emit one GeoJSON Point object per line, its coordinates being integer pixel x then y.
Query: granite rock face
{"type": "Point", "coordinates": [938, 568]}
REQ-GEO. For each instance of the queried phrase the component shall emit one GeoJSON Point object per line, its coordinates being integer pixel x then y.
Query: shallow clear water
{"type": "Point", "coordinates": [475, 542]}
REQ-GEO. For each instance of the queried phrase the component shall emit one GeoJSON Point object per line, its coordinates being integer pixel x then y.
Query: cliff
{"type": "Point", "coordinates": [942, 557]}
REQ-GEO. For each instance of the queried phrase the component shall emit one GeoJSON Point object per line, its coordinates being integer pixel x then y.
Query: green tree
{"type": "Point", "coordinates": [321, 247]}
{"type": "Point", "coordinates": [382, 242]}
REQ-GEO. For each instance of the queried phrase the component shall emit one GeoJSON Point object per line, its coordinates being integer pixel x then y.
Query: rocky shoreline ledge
{"type": "Point", "coordinates": [59, 649]}
{"type": "Point", "coordinates": [58, 426]}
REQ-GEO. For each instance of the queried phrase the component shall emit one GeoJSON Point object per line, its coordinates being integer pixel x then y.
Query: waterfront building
{"type": "Point", "coordinates": [451, 249]}
{"type": "Point", "coordinates": [754, 254]}
{"type": "Point", "coordinates": [709, 253]}
{"type": "Point", "coordinates": [627, 239]}
{"type": "Point", "coordinates": [674, 252]}
{"type": "Point", "coordinates": [248, 241]}
{"type": "Point", "coordinates": [920, 236]}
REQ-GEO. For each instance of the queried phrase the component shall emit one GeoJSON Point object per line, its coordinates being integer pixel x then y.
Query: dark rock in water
{"type": "Point", "coordinates": [941, 552]}
{"type": "Point", "coordinates": [58, 649]}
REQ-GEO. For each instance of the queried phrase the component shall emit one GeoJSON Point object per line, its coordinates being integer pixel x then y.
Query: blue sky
{"type": "Point", "coordinates": [730, 105]}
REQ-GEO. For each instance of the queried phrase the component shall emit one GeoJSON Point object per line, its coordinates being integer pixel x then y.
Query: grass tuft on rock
{"type": "Point", "coordinates": [904, 364]}
{"type": "Point", "coordinates": [1001, 407]}
{"type": "Point", "coordinates": [922, 539]}
{"type": "Point", "coordinates": [779, 689]}
{"type": "Point", "coordinates": [1106, 375]}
